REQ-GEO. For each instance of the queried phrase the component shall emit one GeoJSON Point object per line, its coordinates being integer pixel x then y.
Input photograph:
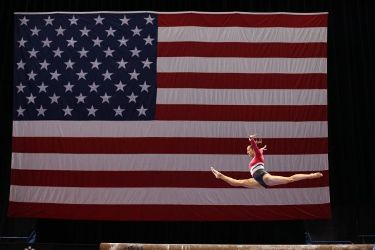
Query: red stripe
{"type": "Point", "coordinates": [242, 20]}
{"type": "Point", "coordinates": [289, 50]}
{"type": "Point", "coordinates": [182, 179]}
{"type": "Point", "coordinates": [240, 113]}
{"type": "Point", "coordinates": [153, 145]}
{"type": "Point", "coordinates": [241, 81]}
{"type": "Point", "coordinates": [169, 212]}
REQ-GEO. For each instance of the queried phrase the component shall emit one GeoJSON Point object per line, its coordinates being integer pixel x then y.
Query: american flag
{"type": "Point", "coordinates": [119, 115]}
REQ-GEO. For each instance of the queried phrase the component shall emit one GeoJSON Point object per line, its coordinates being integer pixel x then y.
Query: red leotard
{"type": "Point", "coordinates": [258, 158]}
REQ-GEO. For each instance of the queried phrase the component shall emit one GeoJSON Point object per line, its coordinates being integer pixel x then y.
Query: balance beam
{"type": "Point", "coordinates": [138, 246]}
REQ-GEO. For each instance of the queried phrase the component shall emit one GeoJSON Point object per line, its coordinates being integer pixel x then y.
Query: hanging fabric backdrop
{"type": "Point", "coordinates": [119, 116]}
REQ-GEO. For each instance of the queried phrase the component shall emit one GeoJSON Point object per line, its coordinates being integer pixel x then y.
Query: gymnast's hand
{"type": "Point", "coordinates": [252, 136]}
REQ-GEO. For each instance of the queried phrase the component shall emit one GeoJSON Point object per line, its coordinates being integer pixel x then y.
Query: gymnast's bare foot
{"type": "Point", "coordinates": [316, 175]}
{"type": "Point", "coordinates": [216, 173]}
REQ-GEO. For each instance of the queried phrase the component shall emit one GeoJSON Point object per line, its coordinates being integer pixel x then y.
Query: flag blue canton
{"type": "Point", "coordinates": [88, 67]}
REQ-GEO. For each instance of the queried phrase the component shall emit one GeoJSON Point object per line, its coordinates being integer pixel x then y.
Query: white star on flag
{"type": "Point", "coordinates": [110, 32]}
{"type": "Point", "coordinates": [68, 87]}
{"type": "Point", "coordinates": [46, 43]}
{"type": "Point", "coordinates": [135, 52]}
{"type": "Point", "coordinates": [108, 52]}
{"type": "Point", "coordinates": [31, 98]}
{"type": "Point", "coordinates": [41, 111]}
{"type": "Point", "coordinates": [32, 75]}
{"type": "Point", "coordinates": [33, 53]}
{"type": "Point", "coordinates": [67, 111]}
{"type": "Point", "coordinates": [95, 64]}
{"type": "Point", "coordinates": [35, 31]}
{"type": "Point", "coordinates": [132, 98]}
{"type": "Point", "coordinates": [44, 65]}
{"type": "Point", "coordinates": [123, 41]}
{"type": "Point", "coordinates": [146, 63]}
{"type": "Point", "coordinates": [122, 63]}
{"type": "Point", "coordinates": [144, 86]}
{"type": "Point", "coordinates": [54, 98]}
{"type": "Point", "coordinates": [80, 98]}
{"type": "Point", "coordinates": [149, 19]}
{"type": "Point", "coordinates": [92, 111]}
{"type": "Point", "coordinates": [20, 111]}
{"type": "Point", "coordinates": [42, 88]}
{"type": "Point", "coordinates": [69, 64]}
{"type": "Point", "coordinates": [118, 111]}
{"type": "Point", "coordinates": [97, 42]}
{"type": "Point", "coordinates": [20, 88]}
{"type": "Point", "coordinates": [22, 42]}
{"type": "Point", "coordinates": [24, 21]}
{"type": "Point", "coordinates": [124, 20]}
{"type": "Point", "coordinates": [57, 52]}
{"type": "Point", "coordinates": [148, 40]}
{"type": "Point", "coordinates": [107, 75]}
{"type": "Point", "coordinates": [120, 86]}
{"type": "Point", "coordinates": [73, 20]}
{"type": "Point", "coordinates": [81, 75]}
{"type": "Point", "coordinates": [55, 75]}
{"type": "Point", "coordinates": [105, 98]}
{"type": "Point", "coordinates": [134, 75]}
{"type": "Point", "coordinates": [93, 87]}
{"type": "Point", "coordinates": [21, 65]}
{"type": "Point", "coordinates": [142, 111]}
{"type": "Point", "coordinates": [49, 21]}
{"type": "Point", "coordinates": [136, 31]}
{"type": "Point", "coordinates": [60, 31]}
{"type": "Point", "coordinates": [71, 42]}
{"type": "Point", "coordinates": [98, 20]}
{"type": "Point", "coordinates": [84, 32]}
{"type": "Point", "coordinates": [83, 52]}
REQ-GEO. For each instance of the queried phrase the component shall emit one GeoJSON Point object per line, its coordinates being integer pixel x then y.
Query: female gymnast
{"type": "Point", "coordinates": [261, 178]}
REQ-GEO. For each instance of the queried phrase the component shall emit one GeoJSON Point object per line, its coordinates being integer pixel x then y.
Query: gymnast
{"type": "Point", "coordinates": [260, 177]}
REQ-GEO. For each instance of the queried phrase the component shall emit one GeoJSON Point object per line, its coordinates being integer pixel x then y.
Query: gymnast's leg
{"type": "Point", "coordinates": [273, 180]}
{"type": "Point", "coordinates": [248, 183]}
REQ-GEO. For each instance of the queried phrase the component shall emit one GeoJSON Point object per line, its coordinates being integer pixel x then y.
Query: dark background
{"type": "Point", "coordinates": [351, 104]}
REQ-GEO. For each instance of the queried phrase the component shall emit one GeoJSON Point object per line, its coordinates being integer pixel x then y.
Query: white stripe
{"type": "Point", "coordinates": [205, 129]}
{"type": "Point", "coordinates": [241, 34]}
{"type": "Point", "coordinates": [164, 162]}
{"type": "Point", "coordinates": [242, 96]}
{"type": "Point", "coordinates": [178, 196]}
{"type": "Point", "coordinates": [242, 65]}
